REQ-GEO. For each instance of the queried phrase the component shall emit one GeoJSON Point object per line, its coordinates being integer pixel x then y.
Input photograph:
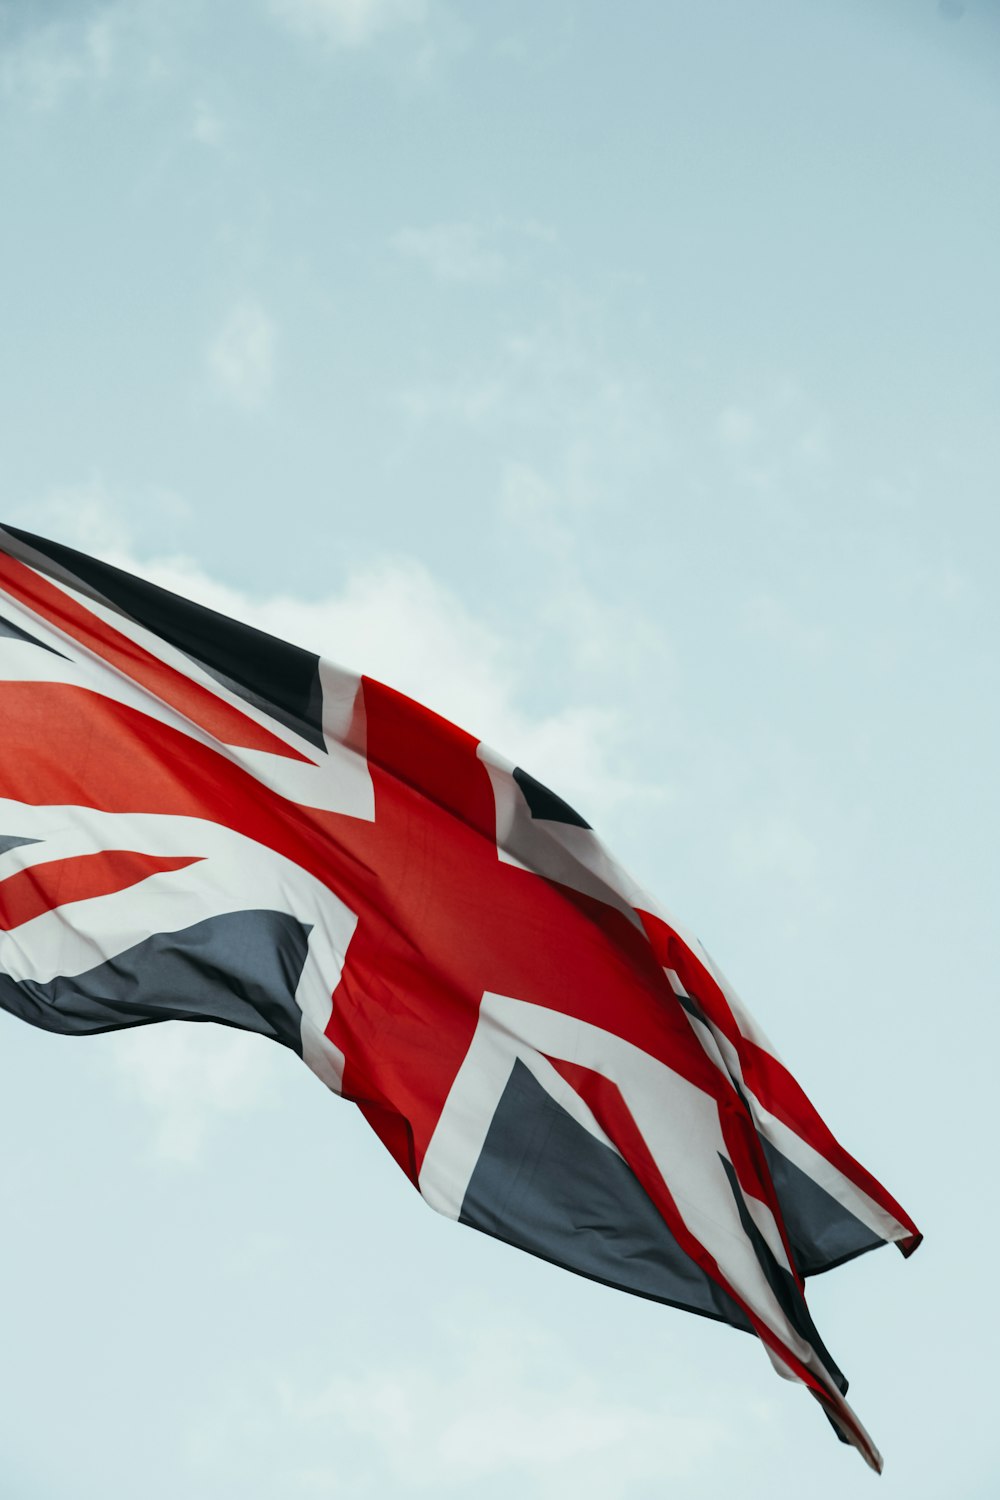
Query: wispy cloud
{"type": "Point", "coordinates": [453, 252]}
{"type": "Point", "coordinates": [550, 379]}
{"type": "Point", "coordinates": [395, 621]}
{"type": "Point", "coordinates": [782, 431]}
{"type": "Point", "coordinates": [240, 357]}
{"type": "Point", "coordinates": [190, 1079]}
{"type": "Point", "coordinates": [496, 1409]}
{"type": "Point", "coordinates": [463, 251]}
{"type": "Point", "coordinates": [81, 515]}
{"type": "Point", "coordinates": [347, 23]}
{"type": "Point", "coordinates": [88, 515]}
{"type": "Point", "coordinates": [207, 127]}
{"type": "Point", "coordinates": [736, 426]}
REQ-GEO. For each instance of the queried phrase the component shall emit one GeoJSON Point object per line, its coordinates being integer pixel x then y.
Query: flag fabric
{"type": "Point", "coordinates": [200, 822]}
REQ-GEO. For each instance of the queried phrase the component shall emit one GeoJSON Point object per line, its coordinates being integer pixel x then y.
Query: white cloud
{"type": "Point", "coordinates": [472, 403]}
{"type": "Point", "coordinates": [240, 358]}
{"type": "Point", "coordinates": [207, 127]}
{"type": "Point", "coordinates": [347, 23]}
{"type": "Point", "coordinates": [736, 426]}
{"type": "Point", "coordinates": [190, 1078]}
{"type": "Point", "coordinates": [80, 515]}
{"type": "Point", "coordinates": [781, 434]}
{"type": "Point", "coordinates": [396, 622]}
{"type": "Point", "coordinates": [88, 516]}
{"type": "Point", "coordinates": [493, 1410]}
{"type": "Point", "coordinates": [552, 381]}
{"type": "Point", "coordinates": [453, 252]}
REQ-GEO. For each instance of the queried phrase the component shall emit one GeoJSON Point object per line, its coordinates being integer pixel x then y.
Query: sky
{"type": "Point", "coordinates": [621, 381]}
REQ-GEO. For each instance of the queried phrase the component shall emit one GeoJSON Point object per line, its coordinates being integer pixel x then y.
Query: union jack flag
{"type": "Point", "coordinates": [199, 822]}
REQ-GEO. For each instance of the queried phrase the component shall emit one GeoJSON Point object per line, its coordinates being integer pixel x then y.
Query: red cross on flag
{"type": "Point", "coordinates": [199, 822]}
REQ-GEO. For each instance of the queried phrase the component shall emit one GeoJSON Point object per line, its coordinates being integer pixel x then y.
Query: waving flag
{"type": "Point", "coordinates": [199, 822]}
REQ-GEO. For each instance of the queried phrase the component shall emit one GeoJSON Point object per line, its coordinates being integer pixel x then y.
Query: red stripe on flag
{"type": "Point", "coordinates": [203, 707]}
{"type": "Point", "coordinates": [127, 762]}
{"type": "Point", "coordinates": [673, 953]}
{"type": "Point", "coordinates": [58, 882]}
{"type": "Point", "coordinates": [612, 1113]}
{"type": "Point", "coordinates": [746, 1154]}
{"type": "Point", "coordinates": [778, 1091]}
{"type": "Point", "coordinates": [768, 1078]}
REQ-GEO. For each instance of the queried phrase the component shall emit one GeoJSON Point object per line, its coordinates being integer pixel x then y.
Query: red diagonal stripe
{"type": "Point", "coordinates": [769, 1079]}
{"type": "Point", "coordinates": [204, 708]}
{"type": "Point", "coordinates": [616, 1119]}
{"type": "Point", "coordinates": [778, 1091]}
{"type": "Point", "coordinates": [57, 882]}
{"type": "Point", "coordinates": [614, 1116]}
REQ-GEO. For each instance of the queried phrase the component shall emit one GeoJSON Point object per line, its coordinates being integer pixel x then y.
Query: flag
{"type": "Point", "coordinates": [200, 822]}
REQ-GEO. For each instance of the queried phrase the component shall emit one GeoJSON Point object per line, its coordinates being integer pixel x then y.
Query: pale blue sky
{"type": "Point", "coordinates": [623, 381]}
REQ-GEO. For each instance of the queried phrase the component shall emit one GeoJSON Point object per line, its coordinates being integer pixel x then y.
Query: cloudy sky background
{"type": "Point", "coordinates": [622, 381]}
